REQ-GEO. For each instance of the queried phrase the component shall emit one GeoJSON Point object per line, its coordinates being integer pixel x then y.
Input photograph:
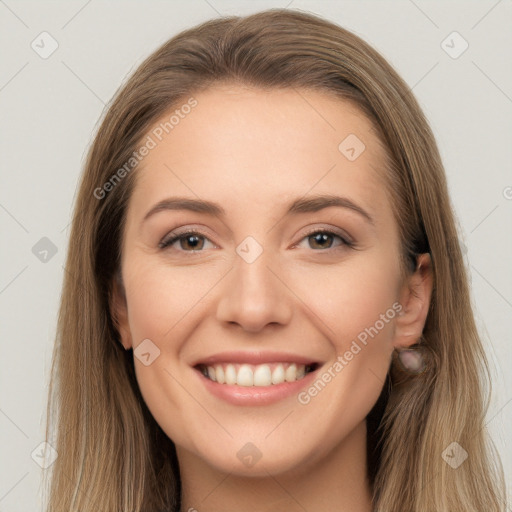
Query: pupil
{"type": "Point", "coordinates": [195, 240]}
{"type": "Point", "coordinates": [320, 238]}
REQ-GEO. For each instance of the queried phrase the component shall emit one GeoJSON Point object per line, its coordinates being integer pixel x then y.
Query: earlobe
{"type": "Point", "coordinates": [415, 300]}
{"type": "Point", "coordinates": [119, 312]}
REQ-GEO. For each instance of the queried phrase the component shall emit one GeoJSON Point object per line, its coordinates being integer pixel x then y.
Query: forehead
{"type": "Point", "coordinates": [249, 148]}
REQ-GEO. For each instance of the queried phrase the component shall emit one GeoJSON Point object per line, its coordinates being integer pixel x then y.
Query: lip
{"type": "Point", "coordinates": [256, 395]}
{"type": "Point", "coordinates": [255, 357]}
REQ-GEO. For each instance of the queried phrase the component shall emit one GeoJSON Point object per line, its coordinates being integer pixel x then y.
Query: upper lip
{"type": "Point", "coordinates": [254, 357]}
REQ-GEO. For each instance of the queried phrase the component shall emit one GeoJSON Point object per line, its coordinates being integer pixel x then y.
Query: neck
{"type": "Point", "coordinates": [337, 482]}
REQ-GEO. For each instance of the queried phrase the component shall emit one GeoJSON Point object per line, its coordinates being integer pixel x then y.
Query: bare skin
{"type": "Point", "coordinates": [254, 152]}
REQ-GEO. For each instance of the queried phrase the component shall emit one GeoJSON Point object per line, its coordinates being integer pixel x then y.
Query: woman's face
{"type": "Point", "coordinates": [258, 296]}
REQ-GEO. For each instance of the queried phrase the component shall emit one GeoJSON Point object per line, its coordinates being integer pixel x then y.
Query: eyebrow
{"type": "Point", "coordinates": [302, 205]}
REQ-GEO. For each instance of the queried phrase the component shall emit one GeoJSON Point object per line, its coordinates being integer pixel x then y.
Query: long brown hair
{"type": "Point", "coordinates": [112, 455]}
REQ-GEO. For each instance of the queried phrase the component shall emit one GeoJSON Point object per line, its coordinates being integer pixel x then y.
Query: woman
{"type": "Point", "coordinates": [265, 305]}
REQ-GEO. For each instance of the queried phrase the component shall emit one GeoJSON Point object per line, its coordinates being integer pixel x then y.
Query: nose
{"type": "Point", "coordinates": [255, 295]}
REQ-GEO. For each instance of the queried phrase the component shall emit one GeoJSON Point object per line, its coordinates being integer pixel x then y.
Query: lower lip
{"type": "Point", "coordinates": [256, 395]}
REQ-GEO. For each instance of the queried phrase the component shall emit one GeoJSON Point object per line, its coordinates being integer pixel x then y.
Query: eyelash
{"type": "Point", "coordinates": [169, 242]}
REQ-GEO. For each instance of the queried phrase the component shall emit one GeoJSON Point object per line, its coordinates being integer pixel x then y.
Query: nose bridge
{"type": "Point", "coordinates": [254, 296]}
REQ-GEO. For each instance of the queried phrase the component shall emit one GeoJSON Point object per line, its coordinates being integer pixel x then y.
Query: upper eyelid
{"type": "Point", "coordinates": [335, 231]}
{"type": "Point", "coordinates": [178, 232]}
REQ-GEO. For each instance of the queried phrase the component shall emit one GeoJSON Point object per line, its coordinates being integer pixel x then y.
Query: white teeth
{"type": "Point", "coordinates": [291, 373]}
{"type": "Point", "coordinates": [230, 374]}
{"type": "Point", "coordinates": [262, 375]}
{"type": "Point", "coordinates": [219, 374]}
{"type": "Point", "coordinates": [255, 375]}
{"type": "Point", "coordinates": [244, 377]}
{"type": "Point", "coordinates": [278, 374]}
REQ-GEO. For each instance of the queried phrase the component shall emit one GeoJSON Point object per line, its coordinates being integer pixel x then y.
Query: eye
{"type": "Point", "coordinates": [189, 241]}
{"type": "Point", "coordinates": [323, 239]}
{"type": "Point", "coordinates": [194, 241]}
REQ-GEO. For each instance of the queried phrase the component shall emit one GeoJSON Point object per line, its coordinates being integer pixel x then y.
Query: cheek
{"type": "Point", "coordinates": [359, 306]}
{"type": "Point", "coordinates": [160, 297]}
{"type": "Point", "coordinates": [161, 302]}
{"type": "Point", "coordinates": [351, 298]}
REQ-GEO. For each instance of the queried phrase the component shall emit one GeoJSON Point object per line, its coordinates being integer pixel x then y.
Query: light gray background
{"type": "Point", "coordinates": [50, 108]}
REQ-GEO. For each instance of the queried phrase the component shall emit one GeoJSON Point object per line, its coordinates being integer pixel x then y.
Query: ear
{"type": "Point", "coordinates": [119, 311]}
{"type": "Point", "coordinates": [415, 300]}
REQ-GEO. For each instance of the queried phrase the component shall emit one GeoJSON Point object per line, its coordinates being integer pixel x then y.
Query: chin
{"type": "Point", "coordinates": [260, 457]}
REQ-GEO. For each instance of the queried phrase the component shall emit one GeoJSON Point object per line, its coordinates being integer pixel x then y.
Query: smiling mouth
{"type": "Point", "coordinates": [255, 375]}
